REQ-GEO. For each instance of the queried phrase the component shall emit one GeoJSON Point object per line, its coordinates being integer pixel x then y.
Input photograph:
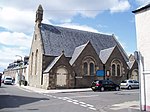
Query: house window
{"type": "Point", "coordinates": [85, 68]}
{"type": "Point", "coordinates": [91, 69]}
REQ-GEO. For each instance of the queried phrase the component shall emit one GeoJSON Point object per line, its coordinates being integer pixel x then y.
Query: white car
{"type": "Point", "coordinates": [7, 80]}
{"type": "Point", "coordinates": [129, 84]}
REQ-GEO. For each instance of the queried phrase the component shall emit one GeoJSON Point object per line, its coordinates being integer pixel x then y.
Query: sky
{"type": "Point", "coordinates": [17, 20]}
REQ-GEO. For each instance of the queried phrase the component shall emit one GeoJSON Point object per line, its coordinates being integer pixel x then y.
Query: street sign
{"type": "Point", "coordinates": [78, 77]}
{"type": "Point", "coordinates": [100, 73]}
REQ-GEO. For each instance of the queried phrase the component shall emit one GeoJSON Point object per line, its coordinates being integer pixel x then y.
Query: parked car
{"type": "Point", "coordinates": [7, 80]}
{"type": "Point", "coordinates": [102, 85]}
{"type": "Point", "coordinates": [129, 84]}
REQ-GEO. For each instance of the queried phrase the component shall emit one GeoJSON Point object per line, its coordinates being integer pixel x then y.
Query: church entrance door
{"type": "Point", "coordinates": [61, 77]}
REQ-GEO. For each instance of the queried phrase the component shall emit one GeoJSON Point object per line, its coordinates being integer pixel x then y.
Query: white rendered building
{"type": "Point", "coordinates": [142, 19]}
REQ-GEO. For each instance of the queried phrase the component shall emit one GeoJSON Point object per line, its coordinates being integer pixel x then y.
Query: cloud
{"type": "Point", "coordinates": [79, 27]}
{"type": "Point", "coordinates": [143, 2]}
{"type": "Point", "coordinates": [18, 16]}
{"type": "Point", "coordinates": [15, 39]}
{"type": "Point", "coordinates": [8, 55]}
{"type": "Point", "coordinates": [120, 6]}
{"type": "Point", "coordinates": [17, 19]}
{"type": "Point", "coordinates": [12, 44]}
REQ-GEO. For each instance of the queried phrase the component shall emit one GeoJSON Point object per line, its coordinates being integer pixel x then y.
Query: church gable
{"type": "Point", "coordinates": [50, 66]}
{"type": "Point", "coordinates": [115, 54]}
{"type": "Point", "coordinates": [86, 55]}
{"type": "Point", "coordinates": [78, 50]}
{"type": "Point", "coordinates": [58, 61]}
{"type": "Point", "coordinates": [82, 52]}
{"type": "Point", "coordinates": [105, 54]}
{"type": "Point", "coordinates": [61, 74]}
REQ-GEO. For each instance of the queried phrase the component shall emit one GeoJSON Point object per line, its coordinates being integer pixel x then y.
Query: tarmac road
{"type": "Point", "coordinates": [26, 99]}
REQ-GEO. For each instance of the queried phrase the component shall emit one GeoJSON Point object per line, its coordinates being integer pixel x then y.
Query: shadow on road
{"type": "Point", "coordinates": [12, 101]}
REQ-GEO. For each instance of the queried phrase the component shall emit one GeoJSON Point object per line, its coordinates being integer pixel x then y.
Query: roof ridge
{"type": "Point", "coordinates": [76, 29]}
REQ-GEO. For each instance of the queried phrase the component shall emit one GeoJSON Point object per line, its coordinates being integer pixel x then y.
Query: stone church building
{"type": "Point", "coordinates": [69, 58]}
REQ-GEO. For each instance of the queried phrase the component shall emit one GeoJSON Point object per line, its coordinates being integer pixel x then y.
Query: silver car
{"type": "Point", "coordinates": [7, 80]}
{"type": "Point", "coordinates": [129, 84]}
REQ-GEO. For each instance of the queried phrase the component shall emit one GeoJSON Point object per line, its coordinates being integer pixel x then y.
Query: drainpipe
{"type": "Point", "coordinates": [142, 95]}
{"type": "Point", "coordinates": [104, 68]}
{"type": "Point", "coordinates": [75, 81]}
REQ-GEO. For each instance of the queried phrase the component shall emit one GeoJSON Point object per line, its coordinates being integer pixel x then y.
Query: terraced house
{"type": "Point", "coordinates": [69, 58]}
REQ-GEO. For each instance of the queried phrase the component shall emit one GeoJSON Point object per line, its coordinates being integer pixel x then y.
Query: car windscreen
{"type": "Point", "coordinates": [124, 81]}
{"type": "Point", "coordinates": [8, 78]}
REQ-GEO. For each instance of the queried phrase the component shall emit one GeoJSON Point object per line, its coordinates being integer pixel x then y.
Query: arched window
{"type": "Point", "coordinates": [31, 63]}
{"type": "Point", "coordinates": [116, 66]}
{"type": "Point", "coordinates": [91, 69]}
{"type": "Point", "coordinates": [88, 66]}
{"type": "Point", "coordinates": [113, 69]}
{"type": "Point", "coordinates": [85, 68]}
{"type": "Point", "coordinates": [118, 70]}
{"type": "Point", "coordinates": [36, 61]}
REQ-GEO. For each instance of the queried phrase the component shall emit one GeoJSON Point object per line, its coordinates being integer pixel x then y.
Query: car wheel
{"type": "Point", "coordinates": [102, 89]}
{"type": "Point", "coordinates": [94, 90]}
{"type": "Point", "coordinates": [117, 88]}
{"type": "Point", "coordinates": [129, 87]}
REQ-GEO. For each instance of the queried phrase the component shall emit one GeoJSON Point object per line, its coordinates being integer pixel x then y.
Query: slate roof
{"type": "Point", "coordinates": [76, 53]}
{"type": "Point", "coordinates": [57, 39]}
{"type": "Point", "coordinates": [50, 66]}
{"type": "Point", "coordinates": [130, 64]}
{"type": "Point", "coordinates": [105, 54]}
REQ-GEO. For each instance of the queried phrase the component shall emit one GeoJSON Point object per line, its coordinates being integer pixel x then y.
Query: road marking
{"type": "Point", "coordinates": [69, 101]}
{"type": "Point", "coordinates": [60, 98]}
{"type": "Point", "coordinates": [82, 102]}
{"type": "Point", "coordinates": [47, 95]}
{"type": "Point", "coordinates": [92, 108]}
{"type": "Point", "coordinates": [83, 105]}
{"type": "Point", "coordinates": [76, 102]}
{"type": "Point", "coordinates": [26, 90]}
{"type": "Point", "coordinates": [125, 105]}
{"type": "Point", "coordinates": [89, 105]}
{"type": "Point", "coordinates": [64, 99]}
{"type": "Point", "coordinates": [84, 96]}
{"type": "Point", "coordinates": [54, 96]}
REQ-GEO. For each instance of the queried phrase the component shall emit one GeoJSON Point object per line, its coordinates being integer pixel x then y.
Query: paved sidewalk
{"type": "Point", "coordinates": [39, 90]}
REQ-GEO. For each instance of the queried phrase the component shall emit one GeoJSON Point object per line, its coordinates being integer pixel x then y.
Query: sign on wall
{"type": "Point", "coordinates": [100, 73]}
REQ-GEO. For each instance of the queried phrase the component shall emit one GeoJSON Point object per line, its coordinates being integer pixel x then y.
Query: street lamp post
{"type": "Point", "coordinates": [20, 73]}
